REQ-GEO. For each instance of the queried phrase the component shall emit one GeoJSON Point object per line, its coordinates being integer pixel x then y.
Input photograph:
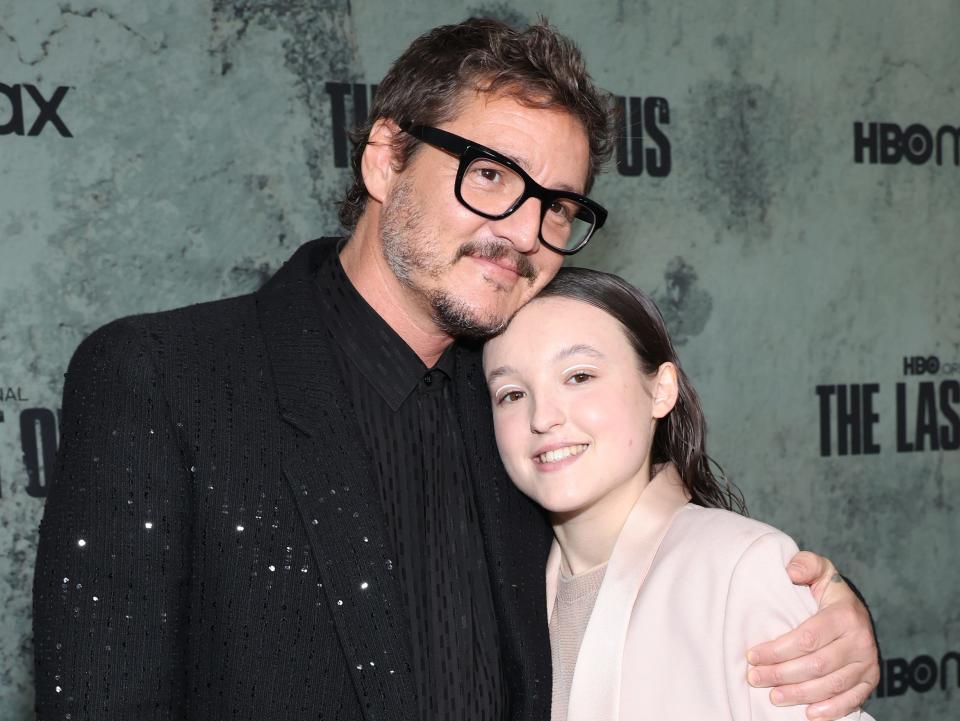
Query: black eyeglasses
{"type": "Point", "coordinates": [493, 186]}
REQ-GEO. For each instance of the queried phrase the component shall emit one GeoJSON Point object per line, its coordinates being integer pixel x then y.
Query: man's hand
{"type": "Point", "coordinates": [830, 660]}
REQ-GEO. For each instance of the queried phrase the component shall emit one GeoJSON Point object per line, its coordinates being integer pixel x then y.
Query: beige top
{"type": "Point", "coordinates": [571, 611]}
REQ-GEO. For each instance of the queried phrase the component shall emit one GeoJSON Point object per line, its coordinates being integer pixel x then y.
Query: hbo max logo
{"type": "Point", "coordinates": [918, 365]}
{"type": "Point", "coordinates": [922, 674]}
{"type": "Point", "coordinates": [888, 143]}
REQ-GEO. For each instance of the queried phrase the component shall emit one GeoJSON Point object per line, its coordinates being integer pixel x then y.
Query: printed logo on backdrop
{"type": "Point", "coordinates": [642, 142]}
{"type": "Point", "coordinates": [889, 144]}
{"type": "Point", "coordinates": [927, 407]}
{"type": "Point", "coordinates": [38, 428]}
{"type": "Point", "coordinates": [27, 104]}
{"type": "Point", "coordinates": [919, 675]}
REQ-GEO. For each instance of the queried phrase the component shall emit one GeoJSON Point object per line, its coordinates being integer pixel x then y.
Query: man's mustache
{"type": "Point", "coordinates": [496, 251]}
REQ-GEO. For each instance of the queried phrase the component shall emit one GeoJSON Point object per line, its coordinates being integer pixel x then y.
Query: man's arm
{"type": "Point", "coordinates": [111, 582]}
{"type": "Point", "coordinates": [830, 661]}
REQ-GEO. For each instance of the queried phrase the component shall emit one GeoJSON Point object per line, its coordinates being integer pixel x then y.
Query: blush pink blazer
{"type": "Point", "coordinates": [686, 592]}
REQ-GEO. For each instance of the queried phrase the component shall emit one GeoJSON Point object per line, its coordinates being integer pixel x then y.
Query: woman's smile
{"type": "Point", "coordinates": [558, 455]}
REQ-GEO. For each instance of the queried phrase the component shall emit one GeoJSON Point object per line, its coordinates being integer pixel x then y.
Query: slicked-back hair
{"type": "Point", "coordinates": [680, 437]}
{"type": "Point", "coordinates": [537, 66]}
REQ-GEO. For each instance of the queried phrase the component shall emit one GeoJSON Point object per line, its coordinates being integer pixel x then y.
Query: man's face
{"type": "Point", "coordinates": [474, 273]}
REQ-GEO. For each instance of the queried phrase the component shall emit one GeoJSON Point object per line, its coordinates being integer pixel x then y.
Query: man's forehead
{"type": "Point", "coordinates": [476, 109]}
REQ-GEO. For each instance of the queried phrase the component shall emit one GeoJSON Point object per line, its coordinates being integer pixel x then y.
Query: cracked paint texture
{"type": "Point", "coordinates": [202, 156]}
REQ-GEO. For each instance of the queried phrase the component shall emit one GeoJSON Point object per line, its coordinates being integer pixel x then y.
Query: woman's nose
{"type": "Point", "coordinates": [545, 416]}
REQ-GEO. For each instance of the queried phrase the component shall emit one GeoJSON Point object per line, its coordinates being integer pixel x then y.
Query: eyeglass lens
{"type": "Point", "coordinates": [491, 188]}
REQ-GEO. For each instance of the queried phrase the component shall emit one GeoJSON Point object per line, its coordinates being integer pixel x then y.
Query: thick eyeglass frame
{"type": "Point", "coordinates": [468, 151]}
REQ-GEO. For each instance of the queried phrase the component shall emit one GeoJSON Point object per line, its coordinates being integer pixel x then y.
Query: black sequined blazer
{"type": "Point", "coordinates": [214, 545]}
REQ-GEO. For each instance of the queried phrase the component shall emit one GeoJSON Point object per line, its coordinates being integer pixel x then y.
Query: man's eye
{"type": "Point", "coordinates": [491, 175]}
{"type": "Point", "coordinates": [561, 211]}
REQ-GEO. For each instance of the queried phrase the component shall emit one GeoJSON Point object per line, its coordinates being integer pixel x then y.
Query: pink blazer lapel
{"type": "Point", "coordinates": [553, 577]}
{"type": "Point", "coordinates": [595, 690]}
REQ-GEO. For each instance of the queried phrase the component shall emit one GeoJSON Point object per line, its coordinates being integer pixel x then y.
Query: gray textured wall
{"type": "Point", "coordinates": [201, 151]}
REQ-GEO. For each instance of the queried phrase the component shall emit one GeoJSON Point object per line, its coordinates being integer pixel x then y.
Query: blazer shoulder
{"type": "Point", "coordinates": [216, 326]}
{"type": "Point", "coordinates": [169, 328]}
{"type": "Point", "coordinates": [724, 534]}
{"type": "Point", "coordinates": [225, 313]}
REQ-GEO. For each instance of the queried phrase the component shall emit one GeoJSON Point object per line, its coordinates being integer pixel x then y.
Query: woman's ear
{"type": "Point", "coordinates": [665, 390]}
{"type": "Point", "coordinates": [379, 162]}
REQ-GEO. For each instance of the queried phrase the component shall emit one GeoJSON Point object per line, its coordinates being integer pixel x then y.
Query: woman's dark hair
{"type": "Point", "coordinates": [537, 66]}
{"type": "Point", "coordinates": [680, 437]}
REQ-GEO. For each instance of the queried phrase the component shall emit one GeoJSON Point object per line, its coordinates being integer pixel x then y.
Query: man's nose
{"type": "Point", "coordinates": [546, 415]}
{"type": "Point", "coordinates": [522, 227]}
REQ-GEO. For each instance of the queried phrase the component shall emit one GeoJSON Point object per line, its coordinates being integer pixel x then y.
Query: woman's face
{"type": "Point", "coordinates": [573, 413]}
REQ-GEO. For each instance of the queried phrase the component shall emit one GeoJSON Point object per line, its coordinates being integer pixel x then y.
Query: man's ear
{"type": "Point", "coordinates": [379, 162]}
{"type": "Point", "coordinates": [665, 390]}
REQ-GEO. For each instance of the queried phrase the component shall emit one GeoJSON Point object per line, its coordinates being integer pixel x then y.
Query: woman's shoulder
{"type": "Point", "coordinates": [741, 562]}
{"type": "Point", "coordinates": [719, 533]}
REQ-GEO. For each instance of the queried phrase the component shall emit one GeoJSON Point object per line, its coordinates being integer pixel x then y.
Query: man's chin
{"type": "Point", "coordinates": [460, 319]}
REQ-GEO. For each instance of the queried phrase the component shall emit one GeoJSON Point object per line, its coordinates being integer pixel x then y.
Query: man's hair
{"type": "Point", "coordinates": [537, 66]}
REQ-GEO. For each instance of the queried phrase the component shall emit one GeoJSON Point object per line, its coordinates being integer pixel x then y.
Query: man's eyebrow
{"type": "Point", "coordinates": [579, 349]}
{"type": "Point", "coordinates": [499, 373]}
{"type": "Point", "coordinates": [525, 164]}
{"type": "Point", "coordinates": [519, 160]}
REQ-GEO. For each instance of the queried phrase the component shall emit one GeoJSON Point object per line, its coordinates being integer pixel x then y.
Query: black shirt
{"type": "Point", "coordinates": [407, 417]}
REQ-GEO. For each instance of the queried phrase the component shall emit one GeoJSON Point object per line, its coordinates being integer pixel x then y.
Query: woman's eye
{"type": "Point", "coordinates": [510, 397]}
{"type": "Point", "coordinates": [578, 378]}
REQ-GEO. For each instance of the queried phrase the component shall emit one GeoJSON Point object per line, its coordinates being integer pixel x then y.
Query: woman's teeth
{"type": "Point", "coordinates": [560, 453]}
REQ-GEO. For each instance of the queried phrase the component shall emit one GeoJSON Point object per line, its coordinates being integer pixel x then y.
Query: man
{"type": "Point", "coordinates": [290, 505]}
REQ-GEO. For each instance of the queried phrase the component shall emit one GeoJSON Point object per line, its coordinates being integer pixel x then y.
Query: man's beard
{"type": "Point", "coordinates": [407, 252]}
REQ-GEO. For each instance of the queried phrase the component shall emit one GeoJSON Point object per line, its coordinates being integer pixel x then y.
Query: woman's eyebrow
{"type": "Point", "coordinates": [499, 373]}
{"type": "Point", "coordinates": [579, 349]}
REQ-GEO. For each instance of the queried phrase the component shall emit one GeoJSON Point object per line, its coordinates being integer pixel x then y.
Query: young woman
{"type": "Point", "coordinates": [656, 585]}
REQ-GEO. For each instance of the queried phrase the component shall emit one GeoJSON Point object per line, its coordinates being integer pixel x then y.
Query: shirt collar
{"type": "Point", "coordinates": [368, 342]}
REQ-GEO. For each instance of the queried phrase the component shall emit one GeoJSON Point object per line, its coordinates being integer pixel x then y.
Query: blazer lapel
{"type": "Point", "coordinates": [595, 689]}
{"type": "Point", "coordinates": [516, 538]}
{"type": "Point", "coordinates": [331, 478]}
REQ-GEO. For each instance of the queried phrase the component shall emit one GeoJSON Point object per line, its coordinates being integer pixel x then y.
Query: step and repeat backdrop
{"type": "Point", "coordinates": [786, 183]}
